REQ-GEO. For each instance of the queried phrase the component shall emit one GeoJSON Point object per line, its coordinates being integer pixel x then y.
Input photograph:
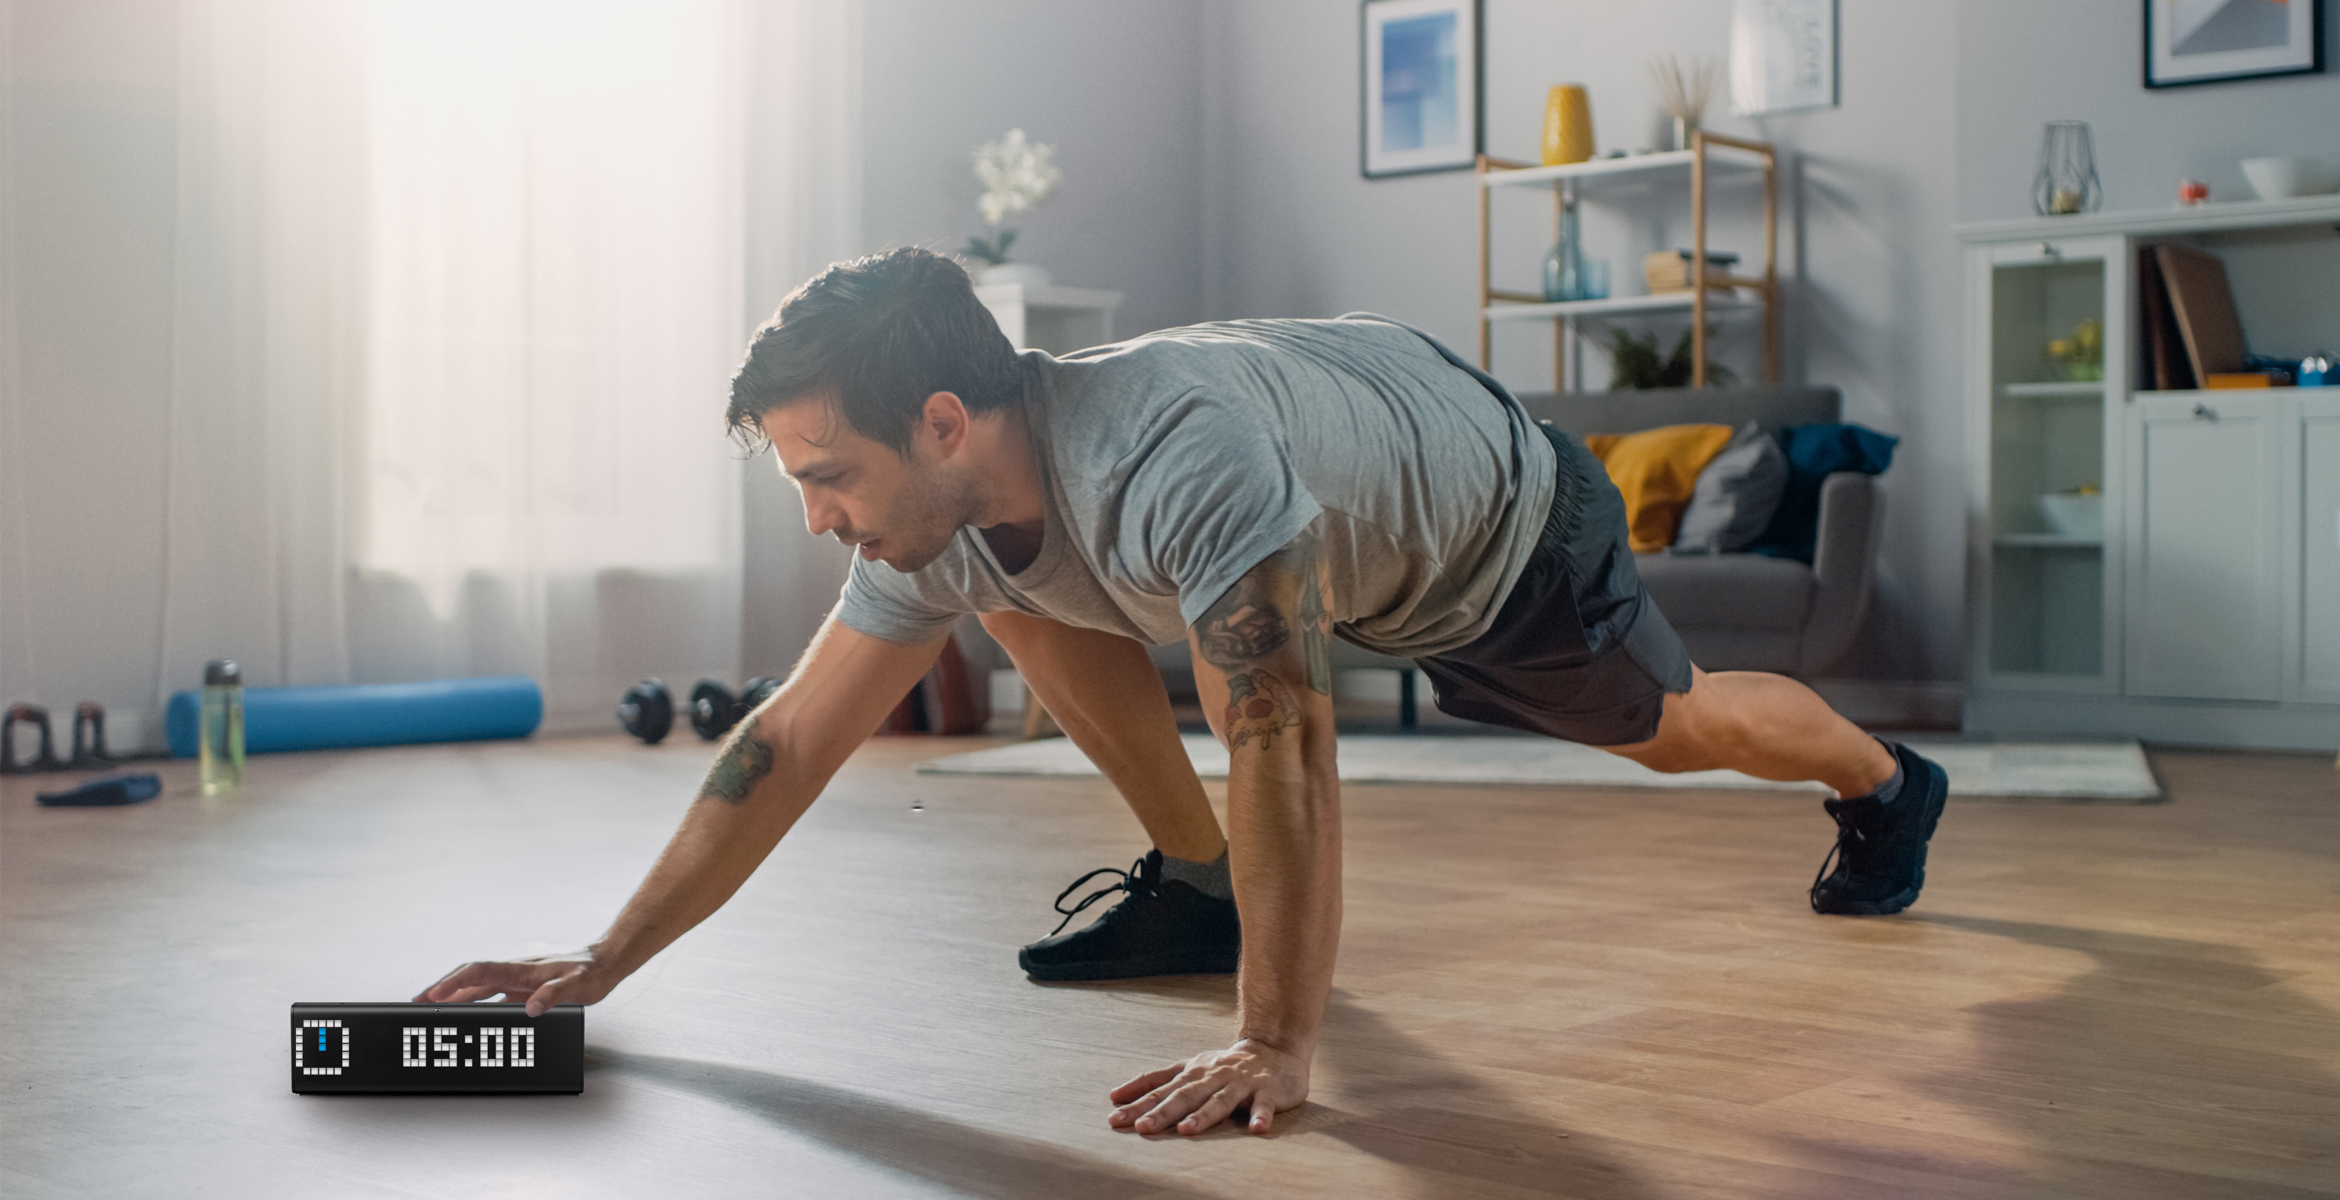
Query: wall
{"type": "Point", "coordinates": [2078, 60]}
{"type": "Point", "coordinates": [1292, 230]}
{"type": "Point", "coordinates": [1113, 86]}
{"type": "Point", "coordinates": [93, 139]}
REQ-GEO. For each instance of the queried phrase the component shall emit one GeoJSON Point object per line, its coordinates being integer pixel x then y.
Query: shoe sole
{"type": "Point", "coordinates": [1937, 798]}
{"type": "Point", "coordinates": [1173, 962]}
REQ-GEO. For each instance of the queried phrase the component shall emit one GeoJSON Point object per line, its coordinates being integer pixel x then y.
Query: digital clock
{"type": "Point", "coordinates": [437, 1048]}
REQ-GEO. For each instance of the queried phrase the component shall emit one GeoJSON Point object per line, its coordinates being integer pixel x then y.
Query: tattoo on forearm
{"type": "Point", "coordinates": [745, 760]}
{"type": "Point", "coordinates": [1315, 626]}
{"type": "Point", "coordinates": [1269, 633]}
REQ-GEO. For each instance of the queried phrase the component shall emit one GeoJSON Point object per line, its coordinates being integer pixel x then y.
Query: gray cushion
{"type": "Point", "coordinates": [1735, 495]}
{"type": "Point", "coordinates": [1744, 591]}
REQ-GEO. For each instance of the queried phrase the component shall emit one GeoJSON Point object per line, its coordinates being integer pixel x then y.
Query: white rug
{"type": "Point", "coordinates": [2065, 771]}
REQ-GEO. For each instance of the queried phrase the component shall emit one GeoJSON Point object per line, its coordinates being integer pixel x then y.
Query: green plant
{"type": "Point", "coordinates": [992, 249]}
{"type": "Point", "coordinates": [1634, 362]}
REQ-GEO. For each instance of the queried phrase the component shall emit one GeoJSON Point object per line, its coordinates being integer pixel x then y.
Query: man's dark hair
{"type": "Point", "coordinates": [876, 336]}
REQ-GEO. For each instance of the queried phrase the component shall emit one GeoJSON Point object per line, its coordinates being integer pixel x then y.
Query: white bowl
{"type": "Point", "coordinates": [2286, 176]}
{"type": "Point", "coordinates": [2073, 515]}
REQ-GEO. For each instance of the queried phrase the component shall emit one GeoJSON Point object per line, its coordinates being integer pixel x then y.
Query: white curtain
{"type": "Point", "coordinates": [462, 284]}
{"type": "Point", "coordinates": [16, 637]}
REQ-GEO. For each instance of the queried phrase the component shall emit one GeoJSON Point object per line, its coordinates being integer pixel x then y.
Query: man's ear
{"type": "Point", "coordinates": [947, 419]}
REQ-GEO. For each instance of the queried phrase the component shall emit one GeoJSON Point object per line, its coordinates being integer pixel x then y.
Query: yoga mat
{"type": "Point", "coordinates": [377, 714]}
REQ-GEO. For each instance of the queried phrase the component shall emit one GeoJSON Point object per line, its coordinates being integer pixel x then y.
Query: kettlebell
{"type": "Point", "coordinates": [647, 711]}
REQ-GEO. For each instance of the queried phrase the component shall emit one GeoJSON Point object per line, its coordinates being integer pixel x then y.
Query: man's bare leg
{"type": "Point", "coordinates": [1768, 726]}
{"type": "Point", "coordinates": [1109, 699]}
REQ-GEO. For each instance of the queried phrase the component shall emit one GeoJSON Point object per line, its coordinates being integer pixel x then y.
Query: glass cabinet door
{"type": "Point", "coordinates": [2054, 370]}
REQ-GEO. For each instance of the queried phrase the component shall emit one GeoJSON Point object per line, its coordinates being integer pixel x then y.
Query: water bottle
{"type": "Point", "coordinates": [221, 754]}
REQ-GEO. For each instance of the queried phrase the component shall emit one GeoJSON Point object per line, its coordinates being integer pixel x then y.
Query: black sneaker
{"type": "Point", "coordinates": [1880, 852]}
{"type": "Point", "coordinates": [1161, 927]}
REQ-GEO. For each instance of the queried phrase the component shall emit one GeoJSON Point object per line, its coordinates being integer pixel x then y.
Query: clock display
{"type": "Point", "coordinates": [437, 1048]}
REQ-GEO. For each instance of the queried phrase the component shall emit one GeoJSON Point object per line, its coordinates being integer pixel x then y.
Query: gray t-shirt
{"type": "Point", "coordinates": [1177, 461]}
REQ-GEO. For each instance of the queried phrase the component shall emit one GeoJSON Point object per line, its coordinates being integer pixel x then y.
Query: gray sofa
{"type": "Point", "coordinates": [1736, 612]}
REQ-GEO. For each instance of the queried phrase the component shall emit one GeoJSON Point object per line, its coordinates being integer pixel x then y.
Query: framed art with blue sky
{"type": "Point", "coordinates": [2207, 41]}
{"type": "Point", "coordinates": [1423, 104]}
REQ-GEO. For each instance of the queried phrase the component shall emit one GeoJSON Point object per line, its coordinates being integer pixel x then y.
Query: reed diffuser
{"type": "Point", "coordinates": [1685, 92]}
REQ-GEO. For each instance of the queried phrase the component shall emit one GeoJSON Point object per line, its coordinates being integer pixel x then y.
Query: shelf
{"type": "Point", "coordinates": [1662, 302]}
{"type": "Point", "coordinates": [2200, 218]}
{"type": "Point", "coordinates": [2046, 541]}
{"type": "Point", "coordinates": [1724, 157]}
{"type": "Point", "coordinates": [2077, 387]}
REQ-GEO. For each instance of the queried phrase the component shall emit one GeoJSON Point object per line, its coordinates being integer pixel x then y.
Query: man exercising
{"type": "Point", "coordinates": [1253, 488]}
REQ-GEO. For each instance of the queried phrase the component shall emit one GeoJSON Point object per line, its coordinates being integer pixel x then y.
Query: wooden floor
{"type": "Point", "coordinates": [1594, 994]}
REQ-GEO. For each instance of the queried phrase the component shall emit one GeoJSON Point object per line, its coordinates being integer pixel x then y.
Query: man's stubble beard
{"type": "Point", "coordinates": [933, 516]}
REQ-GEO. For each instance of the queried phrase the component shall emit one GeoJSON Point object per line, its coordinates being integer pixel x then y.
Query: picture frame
{"type": "Point", "coordinates": [1422, 86]}
{"type": "Point", "coordinates": [1783, 56]}
{"type": "Point", "coordinates": [2189, 42]}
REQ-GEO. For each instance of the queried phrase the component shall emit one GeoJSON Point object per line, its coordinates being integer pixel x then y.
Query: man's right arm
{"type": "Point", "coordinates": [770, 769]}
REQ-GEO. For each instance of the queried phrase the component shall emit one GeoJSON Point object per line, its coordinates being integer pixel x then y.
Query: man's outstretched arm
{"type": "Point", "coordinates": [1262, 665]}
{"type": "Point", "coordinates": [770, 769]}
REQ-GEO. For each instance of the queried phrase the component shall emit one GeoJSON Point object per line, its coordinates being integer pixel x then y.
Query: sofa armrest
{"type": "Point", "coordinates": [1844, 564]}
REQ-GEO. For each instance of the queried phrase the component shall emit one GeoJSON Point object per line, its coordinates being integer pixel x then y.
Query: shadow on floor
{"type": "Point", "coordinates": [964, 1158]}
{"type": "Point", "coordinates": [2186, 1052]}
{"type": "Point", "coordinates": [1445, 1126]}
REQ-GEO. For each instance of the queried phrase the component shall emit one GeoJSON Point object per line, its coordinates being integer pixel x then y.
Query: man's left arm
{"type": "Point", "coordinates": [1262, 664]}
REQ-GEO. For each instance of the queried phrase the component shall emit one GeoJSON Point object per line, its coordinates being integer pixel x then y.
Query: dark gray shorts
{"type": "Point", "coordinates": [1578, 651]}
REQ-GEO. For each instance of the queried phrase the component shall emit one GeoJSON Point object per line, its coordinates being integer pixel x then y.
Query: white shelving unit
{"type": "Point", "coordinates": [1059, 320]}
{"type": "Point", "coordinates": [1711, 293]}
{"type": "Point", "coordinates": [2208, 612]}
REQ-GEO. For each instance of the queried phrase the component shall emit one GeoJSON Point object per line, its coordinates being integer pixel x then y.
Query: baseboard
{"type": "Point", "coordinates": [2239, 725]}
{"type": "Point", "coordinates": [1895, 703]}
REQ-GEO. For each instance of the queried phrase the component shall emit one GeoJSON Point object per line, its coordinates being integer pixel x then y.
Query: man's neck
{"type": "Point", "coordinates": [1013, 515]}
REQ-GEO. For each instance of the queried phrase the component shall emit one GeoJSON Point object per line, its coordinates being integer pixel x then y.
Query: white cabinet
{"type": "Point", "coordinates": [2199, 600]}
{"type": "Point", "coordinates": [2319, 543]}
{"type": "Point", "coordinates": [2046, 582]}
{"type": "Point", "coordinates": [2205, 549]}
{"type": "Point", "coordinates": [1059, 320]}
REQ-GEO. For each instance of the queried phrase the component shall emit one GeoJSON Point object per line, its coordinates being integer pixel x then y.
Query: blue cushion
{"type": "Point", "coordinates": [1814, 452]}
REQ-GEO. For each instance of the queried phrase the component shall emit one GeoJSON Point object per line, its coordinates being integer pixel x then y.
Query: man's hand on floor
{"type": "Point", "coordinates": [541, 982]}
{"type": "Point", "coordinates": [1192, 1097]}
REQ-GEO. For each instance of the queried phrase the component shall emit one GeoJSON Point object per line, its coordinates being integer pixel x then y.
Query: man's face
{"type": "Point", "coordinates": [900, 511]}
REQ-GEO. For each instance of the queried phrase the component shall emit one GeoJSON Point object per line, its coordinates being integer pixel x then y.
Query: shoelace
{"type": "Point", "coordinates": [1131, 880]}
{"type": "Point", "coordinates": [1846, 831]}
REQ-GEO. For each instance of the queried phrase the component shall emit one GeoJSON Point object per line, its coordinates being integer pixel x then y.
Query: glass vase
{"type": "Point", "coordinates": [1564, 264]}
{"type": "Point", "coordinates": [2066, 182]}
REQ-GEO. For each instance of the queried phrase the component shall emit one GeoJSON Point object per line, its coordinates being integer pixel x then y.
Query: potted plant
{"type": "Point", "coordinates": [1016, 175]}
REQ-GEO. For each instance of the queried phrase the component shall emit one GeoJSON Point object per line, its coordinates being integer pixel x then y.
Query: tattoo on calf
{"type": "Point", "coordinates": [745, 760]}
{"type": "Point", "coordinates": [1259, 707]}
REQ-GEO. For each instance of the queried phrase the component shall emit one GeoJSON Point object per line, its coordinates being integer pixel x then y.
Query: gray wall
{"type": "Point", "coordinates": [2081, 60]}
{"type": "Point", "coordinates": [1113, 86]}
{"type": "Point", "coordinates": [1292, 230]}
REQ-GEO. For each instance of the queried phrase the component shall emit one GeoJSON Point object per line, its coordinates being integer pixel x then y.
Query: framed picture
{"type": "Point", "coordinates": [2207, 41]}
{"type": "Point", "coordinates": [1783, 55]}
{"type": "Point", "coordinates": [1423, 106]}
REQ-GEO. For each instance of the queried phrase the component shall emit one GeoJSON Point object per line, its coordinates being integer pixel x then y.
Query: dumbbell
{"type": "Point", "coordinates": [38, 717]}
{"type": "Point", "coordinates": [647, 711]}
{"type": "Point", "coordinates": [714, 710]}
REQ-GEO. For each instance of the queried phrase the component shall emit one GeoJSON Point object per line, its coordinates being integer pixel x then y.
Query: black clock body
{"type": "Point", "coordinates": [437, 1048]}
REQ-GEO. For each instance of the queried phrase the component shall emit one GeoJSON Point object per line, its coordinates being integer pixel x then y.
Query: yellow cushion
{"type": "Point", "coordinates": [1656, 469]}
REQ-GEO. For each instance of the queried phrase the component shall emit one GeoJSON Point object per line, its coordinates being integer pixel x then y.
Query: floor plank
{"type": "Point", "coordinates": [1609, 995]}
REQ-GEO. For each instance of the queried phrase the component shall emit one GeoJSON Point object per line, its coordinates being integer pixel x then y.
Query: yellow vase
{"type": "Point", "coordinates": [1568, 136]}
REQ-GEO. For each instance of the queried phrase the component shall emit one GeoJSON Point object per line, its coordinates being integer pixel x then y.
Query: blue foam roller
{"type": "Point", "coordinates": [374, 714]}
